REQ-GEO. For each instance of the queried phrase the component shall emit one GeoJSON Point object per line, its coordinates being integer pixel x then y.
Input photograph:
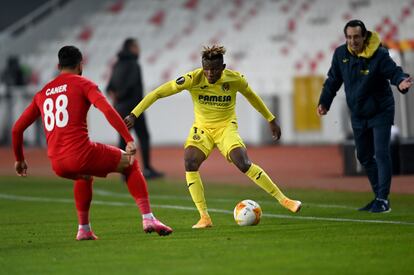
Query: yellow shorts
{"type": "Point", "coordinates": [225, 138]}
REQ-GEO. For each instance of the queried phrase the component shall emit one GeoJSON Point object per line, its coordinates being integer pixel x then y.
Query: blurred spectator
{"type": "Point", "coordinates": [12, 76]}
{"type": "Point", "coordinates": [15, 76]}
{"type": "Point", "coordinates": [126, 89]}
{"type": "Point", "coordinates": [13, 73]}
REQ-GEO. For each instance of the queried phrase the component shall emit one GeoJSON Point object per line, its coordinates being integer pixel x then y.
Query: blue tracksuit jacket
{"type": "Point", "coordinates": [367, 85]}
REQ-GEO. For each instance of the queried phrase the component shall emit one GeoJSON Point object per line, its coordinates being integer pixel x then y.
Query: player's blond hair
{"type": "Point", "coordinates": [213, 52]}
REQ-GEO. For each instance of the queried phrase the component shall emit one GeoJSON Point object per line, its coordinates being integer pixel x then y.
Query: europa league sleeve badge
{"type": "Point", "coordinates": [180, 80]}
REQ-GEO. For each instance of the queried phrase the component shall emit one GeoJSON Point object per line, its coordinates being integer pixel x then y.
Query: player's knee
{"type": "Point", "coordinates": [191, 164]}
{"type": "Point", "coordinates": [243, 165]}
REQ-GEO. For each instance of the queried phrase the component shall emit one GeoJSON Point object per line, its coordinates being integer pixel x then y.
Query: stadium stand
{"type": "Point", "coordinates": [270, 41]}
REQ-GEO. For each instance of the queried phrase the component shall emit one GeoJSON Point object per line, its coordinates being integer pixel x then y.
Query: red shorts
{"type": "Point", "coordinates": [96, 160]}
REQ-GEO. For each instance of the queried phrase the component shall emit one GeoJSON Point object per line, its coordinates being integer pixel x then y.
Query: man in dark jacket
{"type": "Point", "coordinates": [366, 68]}
{"type": "Point", "coordinates": [125, 88]}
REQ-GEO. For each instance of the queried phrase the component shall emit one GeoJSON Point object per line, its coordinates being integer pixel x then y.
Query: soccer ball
{"type": "Point", "coordinates": [247, 212]}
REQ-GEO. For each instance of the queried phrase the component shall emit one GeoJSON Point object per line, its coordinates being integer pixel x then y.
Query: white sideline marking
{"type": "Point", "coordinates": [187, 208]}
{"type": "Point", "coordinates": [105, 193]}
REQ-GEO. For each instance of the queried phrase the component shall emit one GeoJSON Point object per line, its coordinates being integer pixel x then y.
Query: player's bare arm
{"type": "Point", "coordinates": [275, 128]}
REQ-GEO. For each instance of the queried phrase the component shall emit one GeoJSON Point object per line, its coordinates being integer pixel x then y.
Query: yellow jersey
{"type": "Point", "coordinates": [214, 104]}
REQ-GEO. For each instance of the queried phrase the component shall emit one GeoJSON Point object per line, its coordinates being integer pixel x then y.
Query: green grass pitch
{"type": "Point", "coordinates": [38, 226]}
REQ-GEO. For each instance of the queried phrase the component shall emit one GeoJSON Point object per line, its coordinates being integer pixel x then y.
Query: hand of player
{"type": "Point", "coordinates": [275, 128]}
{"type": "Point", "coordinates": [131, 149]}
{"type": "Point", "coordinates": [406, 83]}
{"type": "Point", "coordinates": [21, 168]}
{"type": "Point", "coordinates": [321, 110]}
{"type": "Point", "coordinates": [130, 120]}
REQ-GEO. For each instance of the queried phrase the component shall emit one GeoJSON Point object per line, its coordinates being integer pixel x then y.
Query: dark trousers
{"type": "Point", "coordinates": [373, 152]}
{"type": "Point", "coordinates": [141, 129]}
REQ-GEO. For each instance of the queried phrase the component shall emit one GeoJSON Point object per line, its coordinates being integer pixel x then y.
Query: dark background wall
{"type": "Point", "coordinates": [12, 11]}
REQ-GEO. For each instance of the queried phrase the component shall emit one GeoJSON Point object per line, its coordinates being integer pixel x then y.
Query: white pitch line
{"type": "Point", "coordinates": [213, 210]}
{"type": "Point", "coordinates": [105, 193]}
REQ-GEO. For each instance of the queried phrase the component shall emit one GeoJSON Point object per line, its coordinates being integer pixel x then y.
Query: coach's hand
{"type": "Point", "coordinates": [131, 149]}
{"type": "Point", "coordinates": [321, 110]}
{"type": "Point", "coordinates": [405, 84]}
{"type": "Point", "coordinates": [21, 168]}
{"type": "Point", "coordinates": [130, 120]}
{"type": "Point", "coordinates": [275, 128]}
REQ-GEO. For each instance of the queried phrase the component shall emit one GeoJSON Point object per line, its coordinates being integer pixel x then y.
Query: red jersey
{"type": "Point", "coordinates": [63, 105]}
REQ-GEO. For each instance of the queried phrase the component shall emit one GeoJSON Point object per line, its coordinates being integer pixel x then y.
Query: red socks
{"type": "Point", "coordinates": [137, 187]}
{"type": "Point", "coordinates": [83, 197]}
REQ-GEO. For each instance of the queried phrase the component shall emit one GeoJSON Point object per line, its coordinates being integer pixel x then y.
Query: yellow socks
{"type": "Point", "coordinates": [256, 174]}
{"type": "Point", "coordinates": [195, 186]}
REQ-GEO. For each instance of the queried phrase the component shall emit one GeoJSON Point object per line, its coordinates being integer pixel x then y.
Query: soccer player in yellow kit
{"type": "Point", "coordinates": [213, 90]}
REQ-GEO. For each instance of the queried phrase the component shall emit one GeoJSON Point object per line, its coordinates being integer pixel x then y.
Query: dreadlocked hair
{"type": "Point", "coordinates": [213, 52]}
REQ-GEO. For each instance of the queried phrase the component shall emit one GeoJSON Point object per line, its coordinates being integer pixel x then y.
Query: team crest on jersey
{"type": "Point", "coordinates": [180, 80]}
{"type": "Point", "coordinates": [225, 87]}
{"type": "Point", "coordinates": [196, 137]}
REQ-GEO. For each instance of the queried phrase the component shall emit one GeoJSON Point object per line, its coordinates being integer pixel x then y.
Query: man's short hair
{"type": "Point", "coordinates": [356, 23]}
{"type": "Point", "coordinates": [128, 43]}
{"type": "Point", "coordinates": [69, 57]}
{"type": "Point", "coordinates": [214, 52]}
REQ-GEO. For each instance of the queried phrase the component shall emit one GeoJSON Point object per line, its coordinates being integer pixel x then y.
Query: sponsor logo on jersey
{"type": "Point", "coordinates": [214, 98]}
{"type": "Point", "coordinates": [180, 80]}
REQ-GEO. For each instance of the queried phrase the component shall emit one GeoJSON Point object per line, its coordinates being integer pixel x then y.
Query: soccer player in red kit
{"type": "Point", "coordinates": [63, 105]}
